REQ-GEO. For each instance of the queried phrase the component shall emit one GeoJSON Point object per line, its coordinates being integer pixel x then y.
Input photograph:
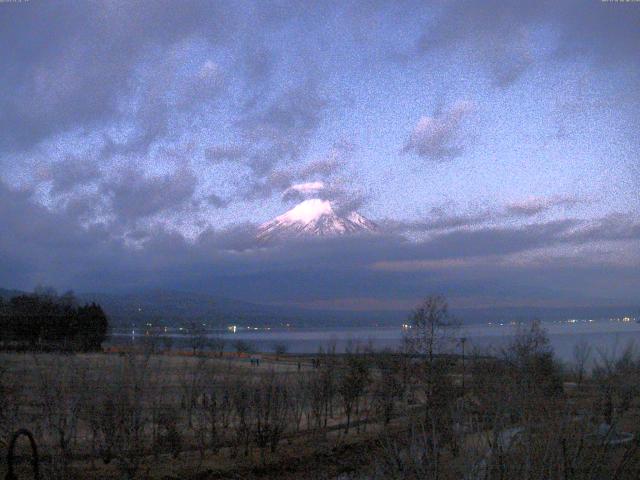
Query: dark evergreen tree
{"type": "Point", "coordinates": [44, 320]}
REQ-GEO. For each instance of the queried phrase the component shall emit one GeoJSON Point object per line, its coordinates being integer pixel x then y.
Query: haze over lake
{"type": "Point", "coordinates": [604, 335]}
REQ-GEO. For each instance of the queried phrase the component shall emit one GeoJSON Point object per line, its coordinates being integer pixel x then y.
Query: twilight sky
{"type": "Point", "coordinates": [495, 143]}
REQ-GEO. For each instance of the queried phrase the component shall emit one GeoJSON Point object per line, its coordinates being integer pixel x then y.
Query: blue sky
{"type": "Point", "coordinates": [158, 135]}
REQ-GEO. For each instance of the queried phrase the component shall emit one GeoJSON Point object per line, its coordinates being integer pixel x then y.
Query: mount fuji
{"type": "Point", "coordinates": [314, 218]}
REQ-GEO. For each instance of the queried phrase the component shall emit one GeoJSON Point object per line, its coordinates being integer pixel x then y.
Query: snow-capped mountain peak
{"type": "Point", "coordinates": [314, 217]}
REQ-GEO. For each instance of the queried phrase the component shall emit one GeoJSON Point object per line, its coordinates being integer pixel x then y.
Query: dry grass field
{"type": "Point", "coordinates": [112, 415]}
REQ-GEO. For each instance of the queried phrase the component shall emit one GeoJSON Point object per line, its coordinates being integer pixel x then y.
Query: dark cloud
{"type": "Point", "coordinates": [599, 30]}
{"type": "Point", "coordinates": [259, 66]}
{"type": "Point", "coordinates": [329, 165]}
{"type": "Point", "coordinates": [321, 168]}
{"type": "Point", "coordinates": [85, 207]}
{"type": "Point", "coordinates": [534, 206]}
{"type": "Point", "coordinates": [265, 186]}
{"type": "Point", "coordinates": [224, 153]}
{"type": "Point", "coordinates": [281, 130]}
{"type": "Point", "coordinates": [498, 34]}
{"type": "Point", "coordinates": [71, 172]}
{"type": "Point", "coordinates": [161, 96]}
{"type": "Point", "coordinates": [441, 136]}
{"type": "Point", "coordinates": [326, 170]}
{"type": "Point", "coordinates": [443, 219]}
{"type": "Point", "coordinates": [200, 87]}
{"type": "Point", "coordinates": [41, 246]}
{"type": "Point", "coordinates": [439, 220]}
{"type": "Point", "coordinates": [610, 228]}
{"type": "Point", "coordinates": [346, 201]}
{"type": "Point", "coordinates": [75, 70]}
{"type": "Point", "coordinates": [35, 243]}
{"type": "Point", "coordinates": [135, 195]}
{"type": "Point", "coordinates": [494, 33]}
{"type": "Point", "coordinates": [216, 201]}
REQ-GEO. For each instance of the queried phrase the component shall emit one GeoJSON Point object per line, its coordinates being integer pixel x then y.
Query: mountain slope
{"type": "Point", "coordinates": [314, 217]}
{"type": "Point", "coordinates": [176, 308]}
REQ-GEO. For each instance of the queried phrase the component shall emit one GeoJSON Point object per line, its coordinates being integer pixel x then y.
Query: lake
{"type": "Point", "coordinates": [610, 336]}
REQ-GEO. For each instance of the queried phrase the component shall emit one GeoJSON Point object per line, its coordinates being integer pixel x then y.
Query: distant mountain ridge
{"type": "Point", "coordinates": [6, 294]}
{"type": "Point", "coordinates": [171, 307]}
{"type": "Point", "coordinates": [176, 308]}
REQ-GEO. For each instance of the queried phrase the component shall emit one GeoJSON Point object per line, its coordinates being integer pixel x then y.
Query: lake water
{"type": "Point", "coordinates": [610, 336]}
{"type": "Point", "coordinates": [606, 336]}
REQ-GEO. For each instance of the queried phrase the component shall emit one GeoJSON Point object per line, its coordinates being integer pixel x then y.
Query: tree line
{"type": "Point", "coordinates": [44, 320]}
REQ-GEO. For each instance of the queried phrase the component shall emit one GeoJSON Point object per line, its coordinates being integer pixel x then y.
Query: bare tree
{"type": "Point", "coordinates": [242, 347]}
{"type": "Point", "coordinates": [214, 407]}
{"type": "Point", "coordinates": [125, 417]}
{"type": "Point", "coordinates": [197, 337]}
{"type": "Point", "coordinates": [217, 344]}
{"type": "Point", "coordinates": [61, 380]}
{"type": "Point", "coordinates": [169, 437]}
{"type": "Point", "coordinates": [433, 330]}
{"type": "Point", "coordinates": [94, 392]}
{"type": "Point", "coordinates": [158, 403]}
{"type": "Point", "coordinates": [280, 349]}
{"type": "Point", "coordinates": [167, 343]}
{"type": "Point", "coordinates": [406, 455]}
{"type": "Point", "coordinates": [388, 387]}
{"type": "Point", "coordinates": [618, 379]}
{"type": "Point", "coordinates": [269, 411]}
{"type": "Point", "coordinates": [300, 392]}
{"type": "Point", "coordinates": [581, 356]}
{"type": "Point", "coordinates": [151, 340]}
{"type": "Point", "coordinates": [352, 382]}
{"type": "Point", "coordinates": [241, 403]}
{"type": "Point", "coordinates": [532, 369]}
{"type": "Point", "coordinates": [192, 376]}
{"type": "Point", "coordinates": [317, 399]}
{"type": "Point", "coordinates": [10, 404]}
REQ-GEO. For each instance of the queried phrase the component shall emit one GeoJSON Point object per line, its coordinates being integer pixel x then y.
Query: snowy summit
{"type": "Point", "coordinates": [314, 217]}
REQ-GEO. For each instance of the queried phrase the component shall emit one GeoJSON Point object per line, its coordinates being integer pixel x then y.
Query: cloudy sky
{"type": "Point", "coordinates": [495, 144]}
